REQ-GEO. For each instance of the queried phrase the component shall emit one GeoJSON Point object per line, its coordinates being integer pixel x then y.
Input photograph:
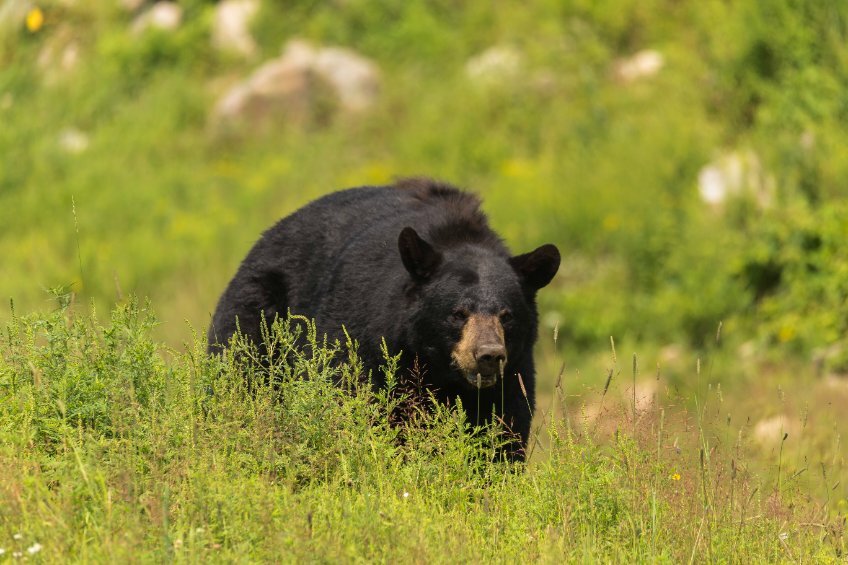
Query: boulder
{"type": "Point", "coordinates": [231, 27]}
{"type": "Point", "coordinates": [735, 174]}
{"type": "Point", "coordinates": [496, 65]}
{"type": "Point", "coordinates": [641, 65]}
{"type": "Point", "coordinates": [355, 79]}
{"type": "Point", "coordinates": [73, 141]}
{"type": "Point", "coordinates": [278, 86]}
{"type": "Point", "coordinates": [166, 16]}
{"type": "Point", "coordinates": [298, 84]}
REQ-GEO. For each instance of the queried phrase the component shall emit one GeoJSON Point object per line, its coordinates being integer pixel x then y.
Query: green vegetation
{"type": "Point", "coordinates": [112, 445]}
{"type": "Point", "coordinates": [109, 451]}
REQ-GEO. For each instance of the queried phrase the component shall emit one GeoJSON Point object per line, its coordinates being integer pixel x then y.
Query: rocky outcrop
{"type": "Point", "coordinates": [302, 80]}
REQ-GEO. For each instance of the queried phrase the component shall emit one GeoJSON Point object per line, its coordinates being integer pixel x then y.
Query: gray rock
{"type": "Point", "coordinates": [73, 141]}
{"type": "Point", "coordinates": [231, 27]}
{"type": "Point", "coordinates": [165, 16]}
{"type": "Point", "coordinates": [641, 65]}
{"type": "Point", "coordinates": [297, 83]}
{"type": "Point", "coordinates": [278, 86]}
{"type": "Point", "coordinates": [496, 65]}
{"type": "Point", "coordinates": [733, 175]}
{"type": "Point", "coordinates": [355, 79]}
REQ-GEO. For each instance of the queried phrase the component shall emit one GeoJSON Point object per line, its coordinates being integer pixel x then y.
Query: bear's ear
{"type": "Point", "coordinates": [538, 267]}
{"type": "Point", "coordinates": [418, 256]}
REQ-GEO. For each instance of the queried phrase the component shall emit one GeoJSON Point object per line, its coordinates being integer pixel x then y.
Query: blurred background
{"type": "Point", "coordinates": [688, 157]}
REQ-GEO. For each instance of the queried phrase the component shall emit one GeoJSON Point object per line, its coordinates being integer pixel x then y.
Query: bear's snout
{"type": "Point", "coordinates": [489, 358]}
{"type": "Point", "coordinates": [481, 351]}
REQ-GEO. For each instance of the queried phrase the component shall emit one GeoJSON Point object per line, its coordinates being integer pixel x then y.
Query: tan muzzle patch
{"type": "Point", "coordinates": [481, 351]}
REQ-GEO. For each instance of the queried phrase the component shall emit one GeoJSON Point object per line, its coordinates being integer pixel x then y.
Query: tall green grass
{"type": "Point", "coordinates": [113, 447]}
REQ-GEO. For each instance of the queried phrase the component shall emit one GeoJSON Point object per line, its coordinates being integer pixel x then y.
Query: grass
{"type": "Point", "coordinates": [113, 447]}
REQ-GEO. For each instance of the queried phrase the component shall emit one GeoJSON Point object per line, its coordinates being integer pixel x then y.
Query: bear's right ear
{"type": "Point", "coordinates": [418, 256]}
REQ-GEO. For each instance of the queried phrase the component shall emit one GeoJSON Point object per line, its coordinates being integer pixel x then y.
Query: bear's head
{"type": "Point", "coordinates": [475, 310]}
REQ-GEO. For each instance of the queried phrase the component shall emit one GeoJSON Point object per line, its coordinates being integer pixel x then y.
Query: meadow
{"type": "Point", "coordinates": [692, 359]}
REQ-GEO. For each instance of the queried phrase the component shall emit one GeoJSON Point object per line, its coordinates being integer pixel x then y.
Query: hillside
{"type": "Point", "coordinates": [686, 156]}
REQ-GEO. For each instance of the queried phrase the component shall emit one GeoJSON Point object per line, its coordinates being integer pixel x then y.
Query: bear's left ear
{"type": "Point", "coordinates": [418, 256]}
{"type": "Point", "coordinates": [538, 267]}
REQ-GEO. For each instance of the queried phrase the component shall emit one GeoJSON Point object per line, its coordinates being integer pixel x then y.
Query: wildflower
{"type": "Point", "coordinates": [675, 477]}
{"type": "Point", "coordinates": [406, 495]}
{"type": "Point", "coordinates": [18, 536]}
{"type": "Point", "coordinates": [783, 536]}
{"type": "Point", "coordinates": [34, 548]}
{"type": "Point", "coordinates": [611, 222]}
{"type": "Point", "coordinates": [17, 554]}
{"type": "Point", "coordinates": [34, 19]}
{"type": "Point", "coordinates": [178, 543]}
{"type": "Point", "coordinates": [2, 551]}
{"type": "Point", "coordinates": [786, 333]}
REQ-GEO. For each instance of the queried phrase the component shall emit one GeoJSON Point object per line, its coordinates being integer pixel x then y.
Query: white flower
{"type": "Point", "coordinates": [17, 554]}
{"type": "Point", "coordinates": [34, 548]}
{"type": "Point", "coordinates": [2, 551]}
{"type": "Point", "coordinates": [406, 495]}
{"type": "Point", "coordinates": [783, 536]}
{"type": "Point", "coordinates": [17, 536]}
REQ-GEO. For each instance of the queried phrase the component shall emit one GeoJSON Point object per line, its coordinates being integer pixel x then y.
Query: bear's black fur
{"type": "Point", "coordinates": [416, 264]}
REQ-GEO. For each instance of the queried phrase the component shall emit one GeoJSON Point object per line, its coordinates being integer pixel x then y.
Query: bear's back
{"type": "Point", "coordinates": [365, 223]}
{"type": "Point", "coordinates": [342, 216]}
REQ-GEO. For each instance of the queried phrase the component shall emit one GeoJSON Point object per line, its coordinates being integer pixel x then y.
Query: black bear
{"type": "Point", "coordinates": [417, 264]}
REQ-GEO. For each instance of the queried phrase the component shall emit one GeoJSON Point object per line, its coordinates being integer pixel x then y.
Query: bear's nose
{"type": "Point", "coordinates": [489, 358]}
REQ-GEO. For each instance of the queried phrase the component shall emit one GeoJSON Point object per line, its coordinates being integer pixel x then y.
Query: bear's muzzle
{"type": "Point", "coordinates": [481, 353]}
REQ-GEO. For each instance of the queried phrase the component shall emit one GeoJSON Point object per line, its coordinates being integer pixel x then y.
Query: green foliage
{"type": "Point", "coordinates": [132, 60]}
{"type": "Point", "coordinates": [797, 269]}
{"type": "Point", "coordinates": [113, 450]}
{"type": "Point", "coordinates": [108, 451]}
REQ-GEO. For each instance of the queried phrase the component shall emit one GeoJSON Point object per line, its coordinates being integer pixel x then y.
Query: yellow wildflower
{"type": "Point", "coordinates": [34, 19]}
{"type": "Point", "coordinates": [517, 168]}
{"type": "Point", "coordinates": [675, 477]}
{"type": "Point", "coordinates": [786, 333]}
{"type": "Point", "coordinates": [611, 222]}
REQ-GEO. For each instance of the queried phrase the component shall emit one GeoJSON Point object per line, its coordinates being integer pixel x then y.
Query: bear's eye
{"type": "Point", "coordinates": [505, 316]}
{"type": "Point", "coordinates": [459, 315]}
